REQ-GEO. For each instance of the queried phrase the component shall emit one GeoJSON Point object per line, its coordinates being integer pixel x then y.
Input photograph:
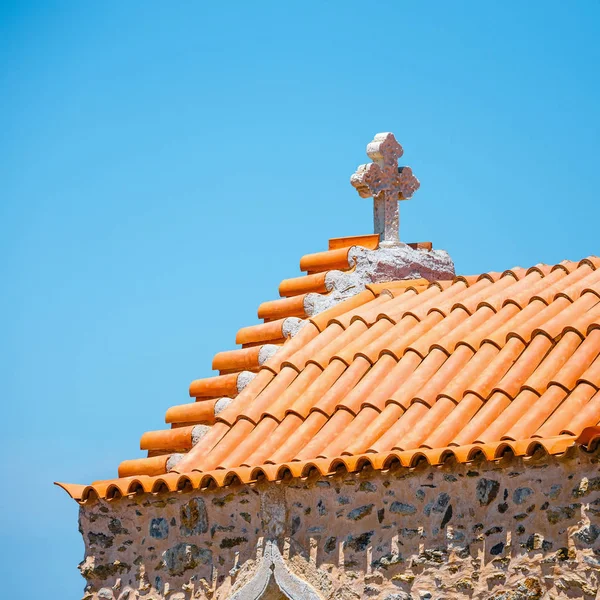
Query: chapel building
{"type": "Point", "coordinates": [389, 431]}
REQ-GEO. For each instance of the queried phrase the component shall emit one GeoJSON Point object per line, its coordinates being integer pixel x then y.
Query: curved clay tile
{"type": "Point", "coordinates": [564, 414]}
{"type": "Point", "coordinates": [367, 313]}
{"type": "Point", "coordinates": [303, 285]}
{"type": "Point", "coordinates": [523, 297]}
{"type": "Point", "coordinates": [244, 359]}
{"type": "Point", "coordinates": [284, 383]}
{"type": "Point", "coordinates": [536, 414]}
{"type": "Point", "coordinates": [262, 434]}
{"type": "Point", "coordinates": [588, 282]}
{"type": "Point", "coordinates": [343, 386]}
{"type": "Point", "coordinates": [172, 440]}
{"type": "Point", "coordinates": [591, 375]}
{"type": "Point", "coordinates": [399, 346]}
{"type": "Point", "coordinates": [493, 294]}
{"type": "Point", "coordinates": [397, 288]}
{"type": "Point", "coordinates": [268, 446]}
{"type": "Point", "coordinates": [278, 407]}
{"type": "Point", "coordinates": [286, 307]}
{"type": "Point", "coordinates": [192, 412]}
{"type": "Point", "coordinates": [299, 358]}
{"type": "Point", "coordinates": [215, 387]}
{"type": "Point", "coordinates": [446, 329]}
{"type": "Point", "coordinates": [373, 351]}
{"type": "Point", "coordinates": [496, 369]}
{"type": "Point", "coordinates": [230, 414]}
{"type": "Point", "coordinates": [586, 323]}
{"type": "Point", "coordinates": [298, 438]}
{"type": "Point", "coordinates": [368, 336]}
{"type": "Point", "coordinates": [156, 465]}
{"type": "Point", "coordinates": [555, 326]}
{"type": "Point", "coordinates": [413, 383]}
{"type": "Point", "coordinates": [396, 308]}
{"type": "Point", "coordinates": [350, 336]}
{"type": "Point", "coordinates": [370, 241]}
{"type": "Point", "coordinates": [192, 459]}
{"type": "Point", "coordinates": [380, 382]}
{"type": "Point", "coordinates": [324, 382]}
{"type": "Point", "coordinates": [447, 372]}
{"type": "Point", "coordinates": [73, 489]}
{"type": "Point", "coordinates": [261, 333]}
{"type": "Point", "coordinates": [325, 261]}
{"type": "Point", "coordinates": [577, 364]}
{"type": "Point", "coordinates": [456, 387]}
{"type": "Point", "coordinates": [397, 435]}
{"type": "Point", "coordinates": [402, 374]}
{"type": "Point", "coordinates": [475, 338]}
{"type": "Point", "coordinates": [304, 337]}
{"type": "Point", "coordinates": [322, 320]}
{"type": "Point", "coordinates": [568, 283]}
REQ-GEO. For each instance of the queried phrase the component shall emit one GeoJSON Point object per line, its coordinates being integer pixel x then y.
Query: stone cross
{"type": "Point", "coordinates": [387, 183]}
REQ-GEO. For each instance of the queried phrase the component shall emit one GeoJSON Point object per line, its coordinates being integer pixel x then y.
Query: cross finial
{"type": "Point", "coordinates": [387, 183]}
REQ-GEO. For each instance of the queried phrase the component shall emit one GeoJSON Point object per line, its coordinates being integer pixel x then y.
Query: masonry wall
{"type": "Point", "coordinates": [518, 529]}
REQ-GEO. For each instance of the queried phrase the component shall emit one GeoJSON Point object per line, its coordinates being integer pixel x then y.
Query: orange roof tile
{"type": "Point", "coordinates": [402, 372]}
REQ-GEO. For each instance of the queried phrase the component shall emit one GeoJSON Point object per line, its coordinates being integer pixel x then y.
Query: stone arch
{"type": "Point", "coordinates": [274, 581]}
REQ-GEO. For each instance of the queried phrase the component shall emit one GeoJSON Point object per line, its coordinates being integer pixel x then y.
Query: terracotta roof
{"type": "Point", "coordinates": [402, 372]}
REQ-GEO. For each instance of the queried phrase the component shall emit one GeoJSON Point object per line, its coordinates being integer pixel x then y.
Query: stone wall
{"type": "Point", "coordinates": [514, 529]}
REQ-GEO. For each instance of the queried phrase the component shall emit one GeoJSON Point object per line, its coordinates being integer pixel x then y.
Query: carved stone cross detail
{"type": "Point", "coordinates": [387, 183]}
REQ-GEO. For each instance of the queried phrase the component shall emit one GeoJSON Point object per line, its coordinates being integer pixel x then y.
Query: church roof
{"type": "Point", "coordinates": [403, 372]}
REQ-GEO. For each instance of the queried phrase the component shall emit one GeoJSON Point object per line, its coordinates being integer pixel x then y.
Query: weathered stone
{"type": "Point", "coordinates": [89, 570]}
{"type": "Point", "coordinates": [439, 506]}
{"type": "Point", "coordinates": [559, 513]}
{"type": "Point", "coordinates": [402, 508]}
{"type": "Point", "coordinates": [193, 518]}
{"type": "Point", "coordinates": [115, 527]}
{"type": "Point", "coordinates": [554, 491]}
{"type": "Point", "coordinates": [588, 534]}
{"type": "Point", "coordinates": [159, 528]}
{"type": "Point", "coordinates": [447, 516]}
{"type": "Point", "coordinates": [223, 500]}
{"type": "Point", "coordinates": [493, 530]}
{"type": "Point", "coordinates": [386, 183]}
{"type": "Point", "coordinates": [388, 560]}
{"type": "Point", "coordinates": [359, 513]}
{"type": "Point", "coordinates": [182, 557]}
{"type": "Point", "coordinates": [521, 494]}
{"type": "Point", "coordinates": [359, 543]}
{"type": "Point", "coordinates": [100, 539]}
{"type": "Point", "coordinates": [367, 486]}
{"type": "Point", "coordinates": [464, 585]}
{"type": "Point", "coordinates": [374, 266]}
{"type": "Point", "coordinates": [232, 542]}
{"type": "Point", "coordinates": [586, 486]}
{"type": "Point", "coordinates": [408, 532]}
{"type": "Point", "coordinates": [486, 491]}
{"type": "Point", "coordinates": [398, 596]}
{"type": "Point", "coordinates": [534, 542]}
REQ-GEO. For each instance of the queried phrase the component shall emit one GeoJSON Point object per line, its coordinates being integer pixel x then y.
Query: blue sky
{"type": "Point", "coordinates": [164, 165]}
